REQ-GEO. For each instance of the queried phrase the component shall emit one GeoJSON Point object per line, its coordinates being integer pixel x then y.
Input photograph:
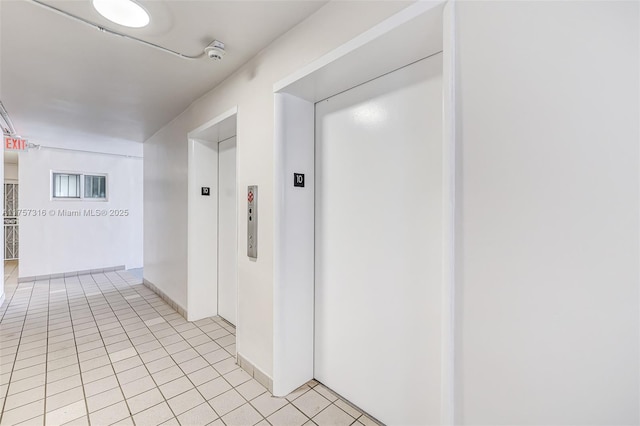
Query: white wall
{"type": "Point", "coordinates": [54, 244]}
{"type": "Point", "coordinates": [548, 228]}
{"type": "Point", "coordinates": [11, 172]}
{"type": "Point", "coordinates": [203, 231]}
{"type": "Point", "coordinates": [165, 172]}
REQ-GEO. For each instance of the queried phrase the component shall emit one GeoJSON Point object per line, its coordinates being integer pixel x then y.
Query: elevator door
{"type": "Point", "coordinates": [227, 231]}
{"type": "Point", "coordinates": [379, 244]}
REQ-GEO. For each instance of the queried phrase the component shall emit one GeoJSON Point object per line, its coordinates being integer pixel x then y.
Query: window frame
{"type": "Point", "coordinates": [82, 179]}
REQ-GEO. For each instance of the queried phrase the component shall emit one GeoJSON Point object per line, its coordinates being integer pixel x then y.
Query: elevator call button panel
{"type": "Point", "coordinates": [252, 221]}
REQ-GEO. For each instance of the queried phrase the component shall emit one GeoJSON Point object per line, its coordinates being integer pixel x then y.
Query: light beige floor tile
{"type": "Point", "coordinates": [227, 402]}
{"type": "Point", "coordinates": [231, 349]}
{"type": "Point", "coordinates": [100, 386]}
{"type": "Point", "coordinates": [185, 401]}
{"type": "Point", "coordinates": [128, 421]}
{"type": "Point", "coordinates": [22, 398]}
{"type": "Point", "coordinates": [216, 356]}
{"type": "Point", "coordinates": [311, 403]}
{"type": "Point", "coordinates": [185, 355]}
{"type": "Point", "coordinates": [203, 375]}
{"type": "Point", "coordinates": [63, 385]}
{"type": "Point", "coordinates": [167, 375]}
{"type": "Point", "coordinates": [160, 364]}
{"type": "Point", "coordinates": [123, 354]}
{"type": "Point", "coordinates": [267, 404]}
{"type": "Point", "coordinates": [322, 390]}
{"type": "Point", "coordinates": [175, 387]}
{"type": "Point", "coordinates": [127, 364]}
{"type": "Point", "coordinates": [97, 374]}
{"type": "Point", "coordinates": [207, 348]}
{"type": "Point", "coordinates": [333, 416]}
{"type": "Point", "coordinates": [62, 362]}
{"type": "Point", "coordinates": [104, 399]}
{"type": "Point", "coordinates": [226, 341]}
{"type": "Point", "coordinates": [287, 416]}
{"type": "Point", "coordinates": [174, 348]}
{"type": "Point", "coordinates": [137, 387]}
{"type": "Point", "coordinates": [214, 388]}
{"type": "Point", "coordinates": [23, 413]}
{"type": "Point", "coordinates": [28, 372]}
{"type": "Point", "coordinates": [201, 415]}
{"type": "Point", "coordinates": [94, 363]}
{"type": "Point", "coordinates": [237, 377]}
{"type": "Point", "coordinates": [62, 373]}
{"type": "Point", "coordinates": [367, 421]}
{"type": "Point", "coordinates": [145, 400]}
{"type": "Point", "coordinates": [80, 421]}
{"type": "Point", "coordinates": [199, 340]}
{"type": "Point", "coordinates": [298, 392]}
{"type": "Point", "coordinates": [132, 374]}
{"type": "Point", "coordinates": [153, 355]}
{"type": "Point", "coordinates": [193, 365]}
{"type": "Point", "coordinates": [66, 414]}
{"type": "Point", "coordinates": [244, 415]}
{"type": "Point", "coordinates": [26, 384]}
{"type": "Point", "coordinates": [65, 398]}
{"type": "Point", "coordinates": [226, 366]}
{"type": "Point", "coordinates": [154, 415]}
{"type": "Point", "coordinates": [110, 414]}
{"type": "Point", "coordinates": [352, 411]}
{"type": "Point", "coordinates": [148, 346]}
{"type": "Point", "coordinates": [35, 421]}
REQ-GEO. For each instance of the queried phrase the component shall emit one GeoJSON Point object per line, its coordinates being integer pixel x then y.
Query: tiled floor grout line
{"type": "Point", "coordinates": [46, 357]}
{"type": "Point", "coordinates": [17, 350]}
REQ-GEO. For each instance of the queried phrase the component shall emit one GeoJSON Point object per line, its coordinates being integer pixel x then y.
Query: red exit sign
{"type": "Point", "coordinates": [15, 144]}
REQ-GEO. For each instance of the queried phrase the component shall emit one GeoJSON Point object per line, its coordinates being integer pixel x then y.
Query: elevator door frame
{"type": "Point", "coordinates": [412, 34]}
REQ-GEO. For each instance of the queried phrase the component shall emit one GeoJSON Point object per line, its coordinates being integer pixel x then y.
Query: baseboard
{"type": "Point", "coordinates": [70, 274]}
{"type": "Point", "coordinates": [179, 309]}
{"type": "Point", "coordinates": [255, 372]}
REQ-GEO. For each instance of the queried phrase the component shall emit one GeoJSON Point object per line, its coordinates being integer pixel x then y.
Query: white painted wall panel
{"type": "Point", "coordinates": [11, 172]}
{"type": "Point", "coordinates": [203, 230]}
{"type": "Point", "coordinates": [294, 228]}
{"type": "Point", "coordinates": [548, 227]}
{"type": "Point", "coordinates": [379, 244]}
{"type": "Point", "coordinates": [227, 231]}
{"type": "Point", "coordinates": [54, 244]}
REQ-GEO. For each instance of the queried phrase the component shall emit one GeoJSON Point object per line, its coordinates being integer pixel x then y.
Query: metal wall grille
{"type": "Point", "coordinates": [11, 221]}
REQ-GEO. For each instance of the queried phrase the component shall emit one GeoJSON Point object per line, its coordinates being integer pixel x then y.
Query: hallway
{"type": "Point", "coordinates": [103, 349]}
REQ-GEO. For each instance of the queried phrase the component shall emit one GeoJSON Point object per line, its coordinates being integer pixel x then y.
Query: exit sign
{"type": "Point", "coordinates": [15, 143]}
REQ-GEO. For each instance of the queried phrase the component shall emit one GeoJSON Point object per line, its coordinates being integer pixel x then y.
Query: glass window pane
{"type": "Point", "coordinates": [66, 185]}
{"type": "Point", "coordinates": [95, 186]}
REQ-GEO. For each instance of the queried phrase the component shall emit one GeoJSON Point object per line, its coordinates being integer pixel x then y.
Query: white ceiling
{"type": "Point", "coordinates": [63, 80]}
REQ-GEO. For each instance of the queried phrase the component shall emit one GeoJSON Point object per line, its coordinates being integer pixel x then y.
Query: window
{"type": "Point", "coordinates": [95, 186]}
{"type": "Point", "coordinates": [66, 185]}
{"type": "Point", "coordinates": [78, 186]}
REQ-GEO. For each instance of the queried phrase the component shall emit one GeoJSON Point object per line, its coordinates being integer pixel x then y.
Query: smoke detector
{"type": "Point", "coordinates": [215, 50]}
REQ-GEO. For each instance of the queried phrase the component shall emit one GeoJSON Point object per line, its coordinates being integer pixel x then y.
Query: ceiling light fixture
{"type": "Point", "coordinates": [123, 12]}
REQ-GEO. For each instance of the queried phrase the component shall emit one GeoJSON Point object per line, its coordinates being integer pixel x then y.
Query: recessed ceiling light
{"type": "Point", "coordinates": [123, 12]}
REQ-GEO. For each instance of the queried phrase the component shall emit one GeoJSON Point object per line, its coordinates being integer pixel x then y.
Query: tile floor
{"type": "Point", "coordinates": [103, 349]}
